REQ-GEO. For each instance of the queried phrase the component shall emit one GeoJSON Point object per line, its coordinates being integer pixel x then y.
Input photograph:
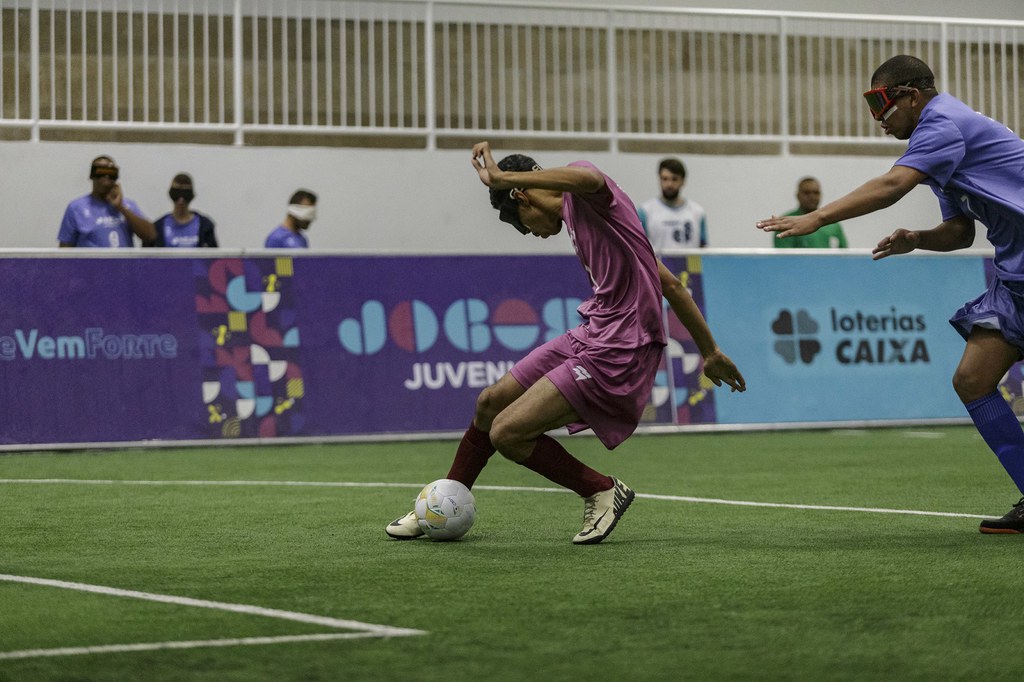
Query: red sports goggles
{"type": "Point", "coordinates": [882, 100]}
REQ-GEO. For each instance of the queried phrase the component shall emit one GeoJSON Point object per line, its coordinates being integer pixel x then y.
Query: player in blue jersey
{"type": "Point", "coordinates": [301, 214]}
{"type": "Point", "coordinates": [183, 227]}
{"type": "Point", "coordinates": [104, 218]}
{"type": "Point", "coordinates": [975, 166]}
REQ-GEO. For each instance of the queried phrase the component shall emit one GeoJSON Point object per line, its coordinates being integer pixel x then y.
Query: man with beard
{"type": "Point", "coordinates": [671, 220]}
{"type": "Point", "coordinates": [104, 218]}
{"type": "Point", "coordinates": [301, 213]}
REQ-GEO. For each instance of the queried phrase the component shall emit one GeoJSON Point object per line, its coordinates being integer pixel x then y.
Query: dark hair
{"type": "Point", "coordinates": [674, 166]}
{"type": "Point", "coordinates": [182, 179]}
{"type": "Point", "coordinates": [904, 70]}
{"type": "Point", "coordinates": [502, 199]}
{"type": "Point", "coordinates": [302, 194]}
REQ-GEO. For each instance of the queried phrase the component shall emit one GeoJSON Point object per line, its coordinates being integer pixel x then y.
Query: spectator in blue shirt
{"type": "Point", "coordinates": [183, 227]}
{"type": "Point", "coordinates": [104, 218]}
{"type": "Point", "coordinates": [301, 213]}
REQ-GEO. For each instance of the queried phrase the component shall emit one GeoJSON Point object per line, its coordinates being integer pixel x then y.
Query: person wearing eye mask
{"type": "Point", "coordinates": [183, 227]}
{"type": "Point", "coordinates": [104, 218]}
{"type": "Point", "coordinates": [301, 213]}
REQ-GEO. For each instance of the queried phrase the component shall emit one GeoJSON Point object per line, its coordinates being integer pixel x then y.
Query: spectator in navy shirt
{"type": "Point", "coordinates": [301, 213]}
{"type": "Point", "coordinates": [104, 218]}
{"type": "Point", "coordinates": [183, 227]}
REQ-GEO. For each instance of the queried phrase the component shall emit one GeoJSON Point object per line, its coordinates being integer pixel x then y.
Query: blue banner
{"type": "Point", "coordinates": [840, 338]}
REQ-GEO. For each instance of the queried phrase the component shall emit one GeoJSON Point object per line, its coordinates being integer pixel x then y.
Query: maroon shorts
{"type": "Point", "coordinates": [608, 387]}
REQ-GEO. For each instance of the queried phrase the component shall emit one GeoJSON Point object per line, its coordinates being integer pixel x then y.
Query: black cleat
{"type": "Point", "coordinates": [1012, 522]}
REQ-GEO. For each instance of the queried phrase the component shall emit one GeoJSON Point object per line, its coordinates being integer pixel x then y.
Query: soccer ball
{"type": "Point", "coordinates": [445, 509]}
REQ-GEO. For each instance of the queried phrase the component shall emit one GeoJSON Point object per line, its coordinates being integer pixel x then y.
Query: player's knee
{"type": "Point", "coordinates": [501, 435]}
{"type": "Point", "coordinates": [969, 387]}
{"type": "Point", "coordinates": [487, 406]}
{"type": "Point", "coordinates": [506, 440]}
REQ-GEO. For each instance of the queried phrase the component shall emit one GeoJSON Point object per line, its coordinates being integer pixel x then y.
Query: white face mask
{"type": "Point", "coordinates": [302, 212]}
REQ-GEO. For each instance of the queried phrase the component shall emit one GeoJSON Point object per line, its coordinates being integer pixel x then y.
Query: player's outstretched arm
{"type": "Point", "coordinates": [955, 233]}
{"type": "Point", "coordinates": [717, 365]}
{"type": "Point", "coordinates": [873, 195]}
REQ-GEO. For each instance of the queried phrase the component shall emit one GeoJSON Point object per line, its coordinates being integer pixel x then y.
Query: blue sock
{"type": "Point", "coordinates": [998, 425]}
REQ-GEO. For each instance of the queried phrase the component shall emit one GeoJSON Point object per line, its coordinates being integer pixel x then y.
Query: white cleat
{"type": "Point", "coordinates": [404, 528]}
{"type": "Point", "coordinates": [602, 511]}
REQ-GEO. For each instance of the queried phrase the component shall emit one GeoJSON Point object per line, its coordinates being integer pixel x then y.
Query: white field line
{"type": "Point", "coordinates": [195, 644]}
{"type": "Point", "coordinates": [363, 629]}
{"type": "Point", "coordinates": [501, 488]}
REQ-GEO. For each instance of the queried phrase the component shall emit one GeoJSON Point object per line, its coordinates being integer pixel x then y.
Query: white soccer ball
{"type": "Point", "coordinates": [445, 509]}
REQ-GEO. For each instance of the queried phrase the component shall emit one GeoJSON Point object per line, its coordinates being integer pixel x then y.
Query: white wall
{"type": "Point", "coordinates": [430, 202]}
{"type": "Point", "coordinates": [412, 200]}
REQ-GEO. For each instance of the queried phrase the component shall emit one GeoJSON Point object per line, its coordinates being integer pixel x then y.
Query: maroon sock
{"type": "Point", "coordinates": [553, 462]}
{"type": "Point", "coordinates": [471, 457]}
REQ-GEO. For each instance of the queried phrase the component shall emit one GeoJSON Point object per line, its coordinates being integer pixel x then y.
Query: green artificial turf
{"type": "Point", "coordinates": [684, 589]}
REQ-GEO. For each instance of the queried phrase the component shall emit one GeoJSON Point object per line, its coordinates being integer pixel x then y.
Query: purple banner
{"type": "Point", "coordinates": [131, 349]}
{"type": "Point", "coordinates": [126, 348]}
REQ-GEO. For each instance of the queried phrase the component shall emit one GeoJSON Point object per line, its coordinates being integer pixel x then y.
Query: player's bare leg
{"type": "Point", "coordinates": [519, 433]}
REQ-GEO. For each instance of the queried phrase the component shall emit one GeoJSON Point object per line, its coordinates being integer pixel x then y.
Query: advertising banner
{"type": "Point", "coordinates": [183, 348]}
{"type": "Point", "coordinates": [840, 337]}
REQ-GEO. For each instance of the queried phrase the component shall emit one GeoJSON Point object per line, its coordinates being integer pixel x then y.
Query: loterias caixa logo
{"type": "Point", "coordinates": [850, 337]}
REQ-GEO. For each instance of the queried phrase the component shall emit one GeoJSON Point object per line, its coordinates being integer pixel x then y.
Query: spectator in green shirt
{"type": "Point", "coordinates": [808, 195]}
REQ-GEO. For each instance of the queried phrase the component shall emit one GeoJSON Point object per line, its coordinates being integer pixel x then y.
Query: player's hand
{"type": "Point", "coordinates": [790, 225]}
{"type": "Point", "coordinates": [114, 196]}
{"type": "Point", "coordinates": [900, 241]}
{"type": "Point", "coordinates": [719, 368]}
{"type": "Point", "coordinates": [484, 164]}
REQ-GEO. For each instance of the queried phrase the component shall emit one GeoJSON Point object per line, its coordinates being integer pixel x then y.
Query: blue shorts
{"type": "Point", "coordinates": [607, 387]}
{"type": "Point", "coordinates": [1001, 307]}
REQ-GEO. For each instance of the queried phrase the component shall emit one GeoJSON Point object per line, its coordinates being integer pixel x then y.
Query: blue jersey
{"type": "Point", "coordinates": [975, 166]}
{"type": "Point", "coordinates": [89, 221]}
{"type": "Point", "coordinates": [197, 232]}
{"type": "Point", "coordinates": [283, 238]}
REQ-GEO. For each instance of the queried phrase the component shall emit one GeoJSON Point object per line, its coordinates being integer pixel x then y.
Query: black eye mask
{"type": "Point", "coordinates": [186, 194]}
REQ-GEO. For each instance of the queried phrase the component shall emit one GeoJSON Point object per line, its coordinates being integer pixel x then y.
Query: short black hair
{"type": "Point", "coordinates": [904, 69]}
{"type": "Point", "coordinates": [503, 200]}
{"type": "Point", "coordinates": [302, 194]}
{"type": "Point", "coordinates": [674, 166]}
{"type": "Point", "coordinates": [182, 179]}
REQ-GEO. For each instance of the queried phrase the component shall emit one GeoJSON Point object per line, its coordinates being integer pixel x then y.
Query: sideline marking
{"type": "Point", "coordinates": [364, 630]}
{"type": "Point", "coordinates": [500, 488]}
{"type": "Point", "coordinates": [195, 644]}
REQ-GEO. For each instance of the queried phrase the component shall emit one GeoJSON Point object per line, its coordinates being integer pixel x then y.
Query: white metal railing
{"type": "Point", "coordinates": [433, 68]}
